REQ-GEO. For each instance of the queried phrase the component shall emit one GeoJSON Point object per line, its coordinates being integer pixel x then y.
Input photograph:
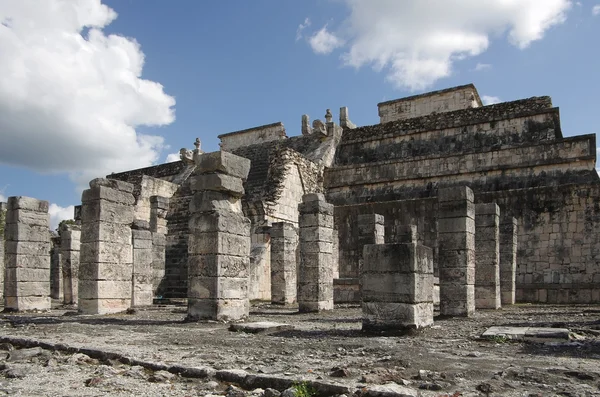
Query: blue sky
{"type": "Point", "coordinates": [73, 108]}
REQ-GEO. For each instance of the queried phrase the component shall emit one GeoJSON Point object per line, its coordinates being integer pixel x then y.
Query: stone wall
{"type": "Point", "coordinates": [27, 255]}
{"type": "Point", "coordinates": [456, 98]}
{"type": "Point", "coordinates": [251, 136]}
{"type": "Point", "coordinates": [2, 226]}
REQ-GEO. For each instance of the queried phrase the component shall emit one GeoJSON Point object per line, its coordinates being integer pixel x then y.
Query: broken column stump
{"type": "Point", "coordinates": [397, 287]}
{"type": "Point", "coordinates": [142, 275]}
{"type": "Point", "coordinates": [315, 272]}
{"type": "Point", "coordinates": [284, 243]}
{"type": "Point", "coordinates": [106, 264]}
{"type": "Point", "coordinates": [219, 241]}
{"type": "Point", "coordinates": [487, 256]}
{"type": "Point", "coordinates": [56, 279]}
{"type": "Point", "coordinates": [456, 242]}
{"type": "Point", "coordinates": [508, 259]}
{"type": "Point", "coordinates": [70, 246]}
{"type": "Point", "coordinates": [27, 255]}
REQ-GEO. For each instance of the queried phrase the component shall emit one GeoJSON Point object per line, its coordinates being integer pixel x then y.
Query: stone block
{"type": "Point", "coordinates": [283, 229]}
{"type": "Point", "coordinates": [455, 194]}
{"type": "Point", "coordinates": [103, 306]}
{"type": "Point", "coordinates": [159, 202]}
{"type": "Point", "coordinates": [314, 234]}
{"type": "Point", "coordinates": [314, 307]}
{"type": "Point", "coordinates": [32, 248]}
{"type": "Point", "coordinates": [27, 261]}
{"type": "Point", "coordinates": [219, 288]}
{"type": "Point", "coordinates": [218, 266]}
{"type": "Point", "coordinates": [457, 300]}
{"type": "Point", "coordinates": [107, 194]}
{"type": "Point", "coordinates": [458, 275]}
{"type": "Point", "coordinates": [397, 258]}
{"type": "Point", "coordinates": [142, 260]}
{"type": "Point", "coordinates": [310, 291]}
{"type": "Point", "coordinates": [318, 219]}
{"type": "Point", "coordinates": [487, 209]}
{"type": "Point", "coordinates": [27, 204]}
{"type": "Point", "coordinates": [106, 232]}
{"type": "Point", "coordinates": [456, 241]}
{"type": "Point", "coordinates": [25, 303]}
{"type": "Point", "coordinates": [406, 234]}
{"type": "Point", "coordinates": [105, 211]}
{"type": "Point", "coordinates": [224, 163]}
{"type": "Point", "coordinates": [101, 251]}
{"type": "Point", "coordinates": [456, 225]}
{"type": "Point", "coordinates": [209, 201]}
{"type": "Point", "coordinates": [112, 184]}
{"type": "Point", "coordinates": [219, 310]}
{"type": "Point", "coordinates": [105, 289]}
{"type": "Point", "coordinates": [218, 182]}
{"type": "Point", "coordinates": [397, 287]}
{"type": "Point", "coordinates": [25, 233]}
{"type": "Point", "coordinates": [394, 316]}
{"type": "Point", "coordinates": [142, 244]}
{"type": "Point", "coordinates": [223, 221]}
{"type": "Point", "coordinates": [315, 207]}
{"type": "Point", "coordinates": [314, 259]}
{"type": "Point", "coordinates": [313, 197]}
{"type": "Point", "coordinates": [455, 209]}
{"type": "Point", "coordinates": [19, 274]}
{"type": "Point", "coordinates": [308, 247]}
{"type": "Point", "coordinates": [22, 288]}
{"type": "Point", "coordinates": [28, 217]}
{"type": "Point", "coordinates": [370, 219]}
{"type": "Point", "coordinates": [139, 224]}
{"type": "Point", "coordinates": [219, 243]}
{"type": "Point", "coordinates": [92, 271]}
{"type": "Point", "coordinates": [316, 274]}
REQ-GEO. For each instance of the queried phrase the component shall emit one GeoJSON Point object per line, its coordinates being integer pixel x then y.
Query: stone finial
{"type": "Point", "coordinates": [306, 130]}
{"type": "Point", "coordinates": [328, 116]}
{"type": "Point", "coordinates": [197, 144]}
{"type": "Point", "coordinates": [345, 119]}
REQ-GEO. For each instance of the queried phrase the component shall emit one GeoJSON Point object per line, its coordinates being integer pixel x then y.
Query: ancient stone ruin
{"type": "Point", "coordinates": [487, 205]}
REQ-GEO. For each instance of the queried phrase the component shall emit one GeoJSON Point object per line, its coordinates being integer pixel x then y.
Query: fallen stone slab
{"type": "Point", "coordinates": [527, 334]}
{"type": "Point", "coordinates": [390, 390]}
{"type": "Point", "coordinates": [260, 327]}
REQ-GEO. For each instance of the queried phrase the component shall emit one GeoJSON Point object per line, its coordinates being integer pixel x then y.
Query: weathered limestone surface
{"type": "Point", "coordinates": [219, 243]}
{"type": "Point", "coordinates": [508, 259]}
{"type": "Point", "coordinates": [397, 287]}
{"type": "Point", "coordinates": [315, 273]}
{"type": "Point", "coordinates": [487, 256]}
{"type": "Point", "coordinates": [2, 225]}
{"type": "Point", "coordinates": [27, 255]}
{"type": "Point", "coordinates": [159, 209]}
{"type": "Point", "coordinates": [264, 133]}
{"type": "Point", "coordinates": [456, 243]}
{"type": "Point", "coordinates": [106, 263]}
{"type": "Point", "coordinates": [142, 277]}
{"type": "Point", "coordinates": [284, 246]}
{"type": "Point", "coordinates": [56, 280]}
{"type": "Point", "coordinates": [70, 255]}
{"type": "Point", "coordinates": [456, 98]}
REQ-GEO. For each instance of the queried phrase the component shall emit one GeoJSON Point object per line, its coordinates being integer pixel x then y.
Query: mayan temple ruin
{"type": "Point", "coordinates": [504, 207]}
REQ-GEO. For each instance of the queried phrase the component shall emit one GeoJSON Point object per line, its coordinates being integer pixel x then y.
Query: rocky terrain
{"type": "Point", "coordinates": [154, 352]}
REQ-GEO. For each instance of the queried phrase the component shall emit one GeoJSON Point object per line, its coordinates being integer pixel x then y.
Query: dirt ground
{"type": "Point", "coordinates": [448, 359]}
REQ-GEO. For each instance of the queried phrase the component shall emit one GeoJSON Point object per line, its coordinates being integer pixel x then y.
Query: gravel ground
{"type": "Point", "coordinates": [447, 359]}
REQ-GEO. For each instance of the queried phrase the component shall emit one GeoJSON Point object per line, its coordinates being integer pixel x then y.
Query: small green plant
{"type": "Point", "coordinates": [304, 389]}
{"type": "Point", "coordinates": [500, 339]}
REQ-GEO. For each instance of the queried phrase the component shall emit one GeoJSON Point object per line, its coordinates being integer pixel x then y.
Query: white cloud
{"type": "Point", "coordinates": [3, 198]}
{"type": "Point", "coordinates": [490, 100]}
{"type": "Point", "coordinates": [172, 157]}
{"type": "Point", "coordinates": [482, 66]}
{"type": "Point", "coordinates": [71, 104]}
{"type": "Point", "coordinates": [58, 213]}
{"type": "Point", "coordinates": [416, 42]}
{"type": "Point", "coordinates": [324, 42]}
{"type": "Point", "coordinates": [301, 28]}
{"type": "Point", "coordinates": [596, 10]}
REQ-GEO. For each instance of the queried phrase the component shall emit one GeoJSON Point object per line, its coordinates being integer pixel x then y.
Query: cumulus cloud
{"type": "Point", "coordinates": [482, 66]}
{"type": "Point", "coordinates": [324, 42]}
{"type": "Point", "coordinates": [596, 10]}
{"type": "Point", "coordinates": [58, 214]}
{"type": "Point", "coordinates": [416, 42]}
{"type": "Point", "coordinates": [2, 198]}
{"type": "Point", "coordinates": [71, 96]}
{"type": "Point", "coordinates": [172, 157]}
{"type": "Point", "coordinates": [490, 100]}
{"type": "Point", "coordinates": [301, 28]}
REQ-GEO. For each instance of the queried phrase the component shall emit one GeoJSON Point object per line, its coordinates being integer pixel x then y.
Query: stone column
{"type": "Point", "coordinates": [159, 208]}
{"type": "Point", "coordinates": [70, 249]}
{"type": "Point", "coordinates": [456, 243]}
{"type": "Point", "coordinates": [371, 230]}
{"type": "Point", "coordinates": [27, 255]}
{"type": "Point", "coordinates": [315, 273]}
{"type": "Point", "coordinates": [142, 275]}
{"type": "Point", "coordinates": [508, 259]}
{"type": "Point", "coordinates": [397, 282]}
{"type": "Point", "coordinates": [219, 241]}
{"type": "Point", "coordinates": [2, 226]}
{"type": "Point", "coordinates": [56, 280]}
{"type": "Point", "coordinates": [106, 252]}
{"type": "Point", "coordinates": [336, 253]}
{"type": "Point", "coordinates": [487, 256]}
{"type": "Point", "coordinates": [284, 243]}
